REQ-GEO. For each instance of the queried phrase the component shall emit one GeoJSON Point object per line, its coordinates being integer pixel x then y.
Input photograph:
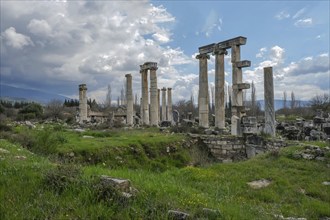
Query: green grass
{"type": "Point", "coordinates": [26, 193]}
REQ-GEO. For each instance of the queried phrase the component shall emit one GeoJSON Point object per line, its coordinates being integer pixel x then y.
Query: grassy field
{"type": "Point", "coordinates": [58, 181]}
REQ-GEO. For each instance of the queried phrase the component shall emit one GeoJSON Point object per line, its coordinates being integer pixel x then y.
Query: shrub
{"type": "Point", "coordinates": [62, 177]}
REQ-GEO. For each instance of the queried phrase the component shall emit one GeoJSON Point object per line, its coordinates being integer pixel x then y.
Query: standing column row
{"type": "Point", "coordinates": [154, 107]}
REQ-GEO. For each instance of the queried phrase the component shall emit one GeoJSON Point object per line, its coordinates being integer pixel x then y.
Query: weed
{"type": "Point", "coordinates": [61, 177]}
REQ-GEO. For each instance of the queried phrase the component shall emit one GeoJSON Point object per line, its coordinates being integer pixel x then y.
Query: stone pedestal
{"type": "Point", "coordinates": [153, 97]}
{"type": "Point", "coordinates": [145, 97]}
{"type": "Point", "coordinates": [203, 94]}
{"type": "Point", "coordinates": [169, 105]}
{"type": "Point", "coordinates": [82, 103]}
{"type": "Point", "coordinates": [220, 89]}
{"type": "Point", "coordinates": [129, 100]}
{"type": "Point", "coordinates": [269, 101]}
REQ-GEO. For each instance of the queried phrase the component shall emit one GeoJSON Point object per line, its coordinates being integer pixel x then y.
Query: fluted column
{"type": "Point", "coordinates": [220, 88]}
{"type": "Point", "coordinates": [82, 103]}
{"type": "Point", "coordinates": [164, 104]}
{"type": "Point", "coordinates": [129, 100]}
{"type": "Point", "coordinates": [169, 105]}
{"type": "Point", "coordinates": [153, 97]}
{"type": "Point", "coordinates": [269, 101]}
{"type": "Point", "coordinates": [145, 97]}
{"type": "Point", "coordinates": [203, 97]}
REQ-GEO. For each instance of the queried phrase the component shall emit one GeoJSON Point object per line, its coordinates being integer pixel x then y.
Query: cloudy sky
{"type": "Point", "coordinates": [54, 46]}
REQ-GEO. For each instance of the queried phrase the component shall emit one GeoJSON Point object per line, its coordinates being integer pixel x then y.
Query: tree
{"type": "Point", "coordinates": [31, 111]}
{"type": "Point", "coordinates": [293, 100]}
{"type": "Point", "coordinates": [320, 102]}
{"type": "Point", "coordinates": [108, 97]}
{"type": "Point", "coordinates": [54, 108]}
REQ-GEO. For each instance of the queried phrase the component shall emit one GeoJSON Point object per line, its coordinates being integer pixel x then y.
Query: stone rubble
{"type": "Point", "coordinates": [258, 184]}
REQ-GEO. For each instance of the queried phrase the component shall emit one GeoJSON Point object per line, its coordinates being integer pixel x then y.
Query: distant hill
{"type": "Point", "coordinates": [21, 94]}
{"type": "Point", "coordinates": [278, 104]}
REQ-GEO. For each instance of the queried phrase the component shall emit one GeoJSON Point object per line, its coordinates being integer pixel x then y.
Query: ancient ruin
{"type": "Point", "coordinates": [269, 101]}
{"type": "Point", "coordinates": [129, 100]}
{"type": "Point", "coordinates": [82, 103]}
{"type": "Point", "coordinates": [154, 109]}
{"type": "Point", "coordinates": [164, 104]}
{"type": "Point", "coordinates": [85, 114]}
{"type": "Point", "coordinates": [169, 105]}
{"type": "Point", "coordinates": [238, 110]}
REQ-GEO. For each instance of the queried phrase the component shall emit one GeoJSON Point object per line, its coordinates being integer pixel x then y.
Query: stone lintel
{"type": "Point", "coordinates": [206, 49]}
{"type": "Point", "coordinates": [241, 86]}
{"type": "Point", "coordinates": [203, 56]}
{"type": "Point", "coordinates": [232, 42]}
{"type": "Point", "coordinates": [149, 65]}
{"type": "Point", "coordinates": [243, 63]}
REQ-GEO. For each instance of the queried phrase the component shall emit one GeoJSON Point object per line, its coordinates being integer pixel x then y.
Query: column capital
{"type": "Point", "coordinates": [203, 56]}
{"type": "Point", "coordinates": [169, 89]}
{"type": "Point", "coordinates": [219, 51]}
{"type": "Point", "coordinates": [153, 68]}
{"type": "Point", "coordinates": [163, 89]}
{"type": "Point", "coordinates": [128, 75]}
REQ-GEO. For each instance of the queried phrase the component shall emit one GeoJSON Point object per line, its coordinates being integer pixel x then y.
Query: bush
{"type": "Point", "coordinates": [62, 177]}
{"type": "Point", "coordinates": [31, 111]}
{"type": "Point", "coordinates": [104, 192]}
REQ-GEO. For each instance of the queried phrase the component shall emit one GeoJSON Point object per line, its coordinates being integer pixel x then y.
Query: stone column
{"type": "Point", "coordinates": [269, 101]}
{"type": "Point", "coordinates": [129, 100]}
{"type": "Point", "coordinates": [141, 112]}
{"type": "Point", "coordinates": [82, 103]}
{"type": "Point", "coordinates": [145, 97]}
{"type": "Point", "coordinates": [164, 104]}
{"type": "Point", "coordinates": [237, 95]}
{"type": "Point", "coordinates": [153, 97]}
{"type": "Point", "coordinates": [220, 88]}
{"type": "Point", "coordinates": [203, 97]}
{"type": "Point", "coordinates": [169, 105]}
{"type": "Point", "coordinates": [159, 118]}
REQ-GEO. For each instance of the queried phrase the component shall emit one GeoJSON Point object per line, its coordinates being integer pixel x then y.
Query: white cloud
{"type": "Point", "coordinates": [299, 13]}
{"type": "Point", "coordinates": [277, 55]}
{"type": "Point", "coordinates": [212, 22]}
{"type": "Point", "coordinates": [261, 52]}
{"type": "Point", "coordinates": [14, 39]}
{"type": "Point", "coordinates": [307, 22]}
{"type": "Point", "coordinates": [307, 77]}
{"type": "Point", "coordinates": [39, 27]}
{"type": "Point", "coordinates": [282, 15]}
{"type": "Point", "coordinates": [88, 42]}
